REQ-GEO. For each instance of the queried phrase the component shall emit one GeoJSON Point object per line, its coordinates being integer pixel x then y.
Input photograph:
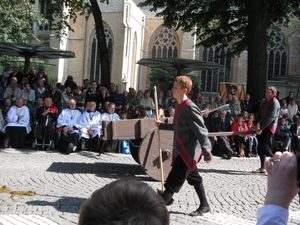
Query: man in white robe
{"type": "Point", "coordinates": [67, 125]}
{"type": "Point", "coordinates": [90, 126]}
{"type": "Point", "coordinates": [111, 146]}
{"type": "Point", "coordinates": [18, 125]}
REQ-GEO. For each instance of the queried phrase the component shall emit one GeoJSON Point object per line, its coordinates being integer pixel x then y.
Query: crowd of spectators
{"type": "Point", "coordinates": [240, 116]}
{"type": "Point", "coordinates": [30, 101]}
{"type": "Point", "coordinates": [112, 103]}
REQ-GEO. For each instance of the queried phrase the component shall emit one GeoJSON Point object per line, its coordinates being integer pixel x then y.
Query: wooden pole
{"type": "Point", "coordinates": [206, 112]}
{"type": "Point", "coordinates": [158, 139]}
{"type": "Point", "coordinates": [230, 133]}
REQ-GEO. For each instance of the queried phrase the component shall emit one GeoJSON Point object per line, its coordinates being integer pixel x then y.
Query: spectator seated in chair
{"type": "Point", "coordinates": [46, 116]}
{"type": "Point", "coordinates": [239, 141]}
{"type": "Point", "coordinates": [283, 134]}
{"type": "Point", "coordinates": [67, 125]}
{"type": "Point", "coordinates": [222, 124]}
{"type": "Point", "coordinates": [90, 125]}
{"type": "Point", "coordinates": [18, 125]}
{"type": "Point", "coordinates": [111, 146]}
{"type": "Point", "coordinates": [252, 139]}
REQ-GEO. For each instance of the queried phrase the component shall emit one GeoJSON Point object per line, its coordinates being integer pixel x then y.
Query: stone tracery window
{"type": "Point", "coordinates": [210, 79]}
{"type": "Point", "coordinates": [95, 69]}
{"type": "Point", "coordinates": [277, 56]}
{"type": "Point", "coordinates": [165, 44]}
{"type": "Point", "coordinates": [44, 5]}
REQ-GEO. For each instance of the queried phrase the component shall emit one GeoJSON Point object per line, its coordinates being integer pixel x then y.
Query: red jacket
{"type": "Point", "coordinates": [235, 127]}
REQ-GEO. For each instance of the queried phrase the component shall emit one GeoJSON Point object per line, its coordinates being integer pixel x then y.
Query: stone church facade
{"type": "Point", "coordinates": [133, 33]}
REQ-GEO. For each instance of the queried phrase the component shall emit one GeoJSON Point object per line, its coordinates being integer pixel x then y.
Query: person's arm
{"type": "Point", "coordinates": [238, 109]}
{"type": "Point", "coordinates": [31, 96]}
{"type": "Point", "coordinates": [152, 105]}
{"type": "Point", "coordinates": [289, 131]}
{"type": "Point", "coordinates": [282, 187]}
{"type": "Point", "coordinates": [12, 115]}
{"type": "Point", "coordinates": [39, 112]}
{"type": "Point", "coordinates": [279, 131]}
{"type": "Point", "coordinates": [196, 123]}
{"type": "Point", "coordinates": [53, 115]}
{"type": "Point", "coordinates": [272, 215]}
{"type": "Point", "coordinates": [17, 92]}
{"type": "Point", "coordinates": [7, 93]}
{"type": "Point", "coordinates": [271, 114]}
{"type": "Point", "coordinates": [293, 130]}
{"type": "Point", "coordinates": [96, 127]}
{"type": "Point", "coordinates": [61, 121]}
{"type": "Point", "coordinates": [234, 127]}
{"type": "Point", "coordinates": [25, 118]}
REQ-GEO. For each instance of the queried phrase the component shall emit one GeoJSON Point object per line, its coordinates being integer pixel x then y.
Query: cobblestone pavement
{"type": "Point", "coordinates": [63, 182]}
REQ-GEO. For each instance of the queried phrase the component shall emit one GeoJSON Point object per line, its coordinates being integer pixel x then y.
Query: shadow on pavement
{"type": "Point", "coordinates": [100, 169]}
{"type": "Point", "coordinates": [20, 150]}
{"type": "Point", "coordinates": [177, 213]}
{"type": "Point", "coordinates": [64, 204]}
{"type": "Point", "coordinates": [229, 172]}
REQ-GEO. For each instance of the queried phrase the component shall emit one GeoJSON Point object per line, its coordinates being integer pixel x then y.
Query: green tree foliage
{"type": "Point", "coordinates": [239, 24]}
{"type": "Point", "coordinates": [221, 22]}
{"type": "Point", "coordinates": [64, 13]}
{"type": "Point", "coordinates": [161, 78]}
{"type": "Point", "coordinates": [164, 79]}
{"type": "Point", "coordinates": [294, 31]}
{"type": "Point", "coordinates": [17, 18]}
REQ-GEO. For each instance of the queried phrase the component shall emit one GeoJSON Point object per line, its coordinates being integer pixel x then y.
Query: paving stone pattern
{"type": "Point", "coordinates": [63, 182]}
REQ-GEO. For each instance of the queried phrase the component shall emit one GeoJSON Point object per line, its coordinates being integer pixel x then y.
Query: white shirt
{"type": "Point", "coordinates": [18, 117]}
{"type": "Point", "coordinates": [107, 116]}
{"type": "Point", "coordinates": [272, 215]}
{"type": "Point", "coordinates": [90, 120]}
{"type": "Point", "coordinates": [292, 110]}
{"type": "Point", "coordinates": [69, 118]}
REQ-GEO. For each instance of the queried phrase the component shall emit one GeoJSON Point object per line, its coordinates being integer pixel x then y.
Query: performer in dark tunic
{"type": "Point", "coordinates": [67, 124]}
{"type": "Point", "coordinates": [46, 116]}
{"type": "Point", "coordinates": [266, 121]}
{"type": "Point", "coordinates": [190, 143]}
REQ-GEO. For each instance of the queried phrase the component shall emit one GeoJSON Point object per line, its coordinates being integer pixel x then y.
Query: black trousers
{"type": "Point", "coordinates": [238, 141]}
{"type": "Point", "coordinates": [179, 173]}
{"type": "Point", "coordinates": [15, 137]}
{"type": "Point", "coordinates": [45, 131]}
{"type": "Point", "coordinates": [264, 143]}
{"type": "Point", "coordinates": [90, 144]}
{"type": "Point", "coordinates": [67, 138]}
{"type": "Point", "coordinates": [112, 146]}
{"type": "Point", "coordinates": [295, 144]}
{"type": "Point", "coordinates": [224, 143]}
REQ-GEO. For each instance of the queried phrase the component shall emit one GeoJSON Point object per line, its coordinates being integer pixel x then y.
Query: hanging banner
{"type": "Point", "coordinates": [227, 88]}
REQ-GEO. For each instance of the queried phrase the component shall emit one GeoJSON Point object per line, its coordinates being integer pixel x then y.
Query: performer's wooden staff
{"type": "Point", "coordinates": [158, 139]}
{"type": "Point", "coordinates": [230, 133]}
{"type": "Point", "coordinates": [206, 112]}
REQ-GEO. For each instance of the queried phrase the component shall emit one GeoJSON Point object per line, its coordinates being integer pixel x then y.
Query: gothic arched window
{"type": "Point", "coordinates": [277, 56]}
{"type": "Point", "coordinates": [44, 5]}
{"type": "Point", "coordinates": [210, 79]}
{"type": "Point", "coordinates": [95, 70]}
{"type": "Point", "coordinates": [165, 44]}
